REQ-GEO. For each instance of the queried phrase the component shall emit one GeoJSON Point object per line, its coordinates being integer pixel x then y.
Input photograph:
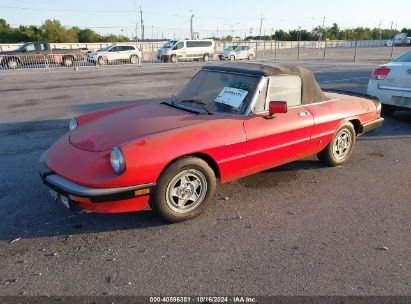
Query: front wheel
{"type": "Point", "coordinates": [206, 57]}
{"type": "Point", "coordinates": [232, 57]}
{"type": "Point", "coordinates": [13, 63]}
{"type": "Point", "coordinates": [173, 58]}
{"type": "Point", "coordinates": [184, 190]}
{"type": "Point", "coordinates": [101, 61]}
{"type": "Point", "coordinates": [68, 61]}
{"type": "Point", "coordinates": [250, 57]}
{"type": "Point", "coordinates": [339, 150]}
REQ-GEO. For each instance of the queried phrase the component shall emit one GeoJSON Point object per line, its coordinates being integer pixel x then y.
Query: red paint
{"type": "Point", "coordinates": [152, 135]}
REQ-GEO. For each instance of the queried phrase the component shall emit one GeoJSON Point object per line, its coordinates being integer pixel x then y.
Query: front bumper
{"type": "Point", "coordinates": [103, 200]}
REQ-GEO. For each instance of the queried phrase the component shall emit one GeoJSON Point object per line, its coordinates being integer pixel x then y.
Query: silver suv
{"type": "Point", "coordinates": [236, 52]}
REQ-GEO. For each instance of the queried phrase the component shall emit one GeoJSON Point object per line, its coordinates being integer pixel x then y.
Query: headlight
{"type": "Point", "coordinates": [117, 160]}
{"type": "Point", "coordinates": [73, 124]}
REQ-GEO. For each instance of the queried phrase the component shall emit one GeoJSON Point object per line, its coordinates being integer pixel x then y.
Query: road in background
{"type": "Point", "coordinates": [299, 229]}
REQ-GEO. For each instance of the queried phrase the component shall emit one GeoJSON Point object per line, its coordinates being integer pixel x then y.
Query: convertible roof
{"type": "Point", "coordinates": [311, 91]}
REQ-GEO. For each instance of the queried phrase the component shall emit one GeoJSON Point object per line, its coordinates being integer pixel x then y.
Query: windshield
{"type": "Point", "coordinates": [170, 44]}
{"type": "Point", "coordinates": [105, 49]}
{"type": "Point", "coordinates": [219, 92]}
{"type": "Point", "coordinates": [231, 48]}
{"type": "Point", "coordinates": [404, 58]}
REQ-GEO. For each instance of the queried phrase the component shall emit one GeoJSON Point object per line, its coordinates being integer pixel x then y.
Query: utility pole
{"type": "Point", "coordinates": [261, 23]}
{"type": "Point", "coordinates": [152, 32]}
{"type": "Point", "coordinates": [141, 24]}
{"type": "Point", "coordinates": [379, 29]}
{"type": "Point", "coordinates": [324, 29]}
{"type": "Point", "coordinates": [217, 31]}
{"type": "Point", "coordinates": [191, 25]}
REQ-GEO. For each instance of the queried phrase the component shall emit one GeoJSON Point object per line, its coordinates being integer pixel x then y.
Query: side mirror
{"type": "Point", "coordinates": [275, 107]}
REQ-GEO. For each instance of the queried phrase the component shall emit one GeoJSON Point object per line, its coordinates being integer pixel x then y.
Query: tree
{"type": "Point", "coordinates": [87, 35]}
{"type": "Point", "coordinates": [281, 35]}
{"type": "Point", "coordinates": [53, 31]}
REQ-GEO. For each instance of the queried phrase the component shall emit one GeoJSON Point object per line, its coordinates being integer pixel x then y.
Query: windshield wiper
{"type": "Point", "coordinates": [198, 102]}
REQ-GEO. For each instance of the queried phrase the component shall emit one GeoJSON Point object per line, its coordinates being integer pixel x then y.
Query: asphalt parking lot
{"type": "Point", "coordinates": [299, 229]}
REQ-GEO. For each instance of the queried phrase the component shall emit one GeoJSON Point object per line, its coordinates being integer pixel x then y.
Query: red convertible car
{"type": "Point", "coordinates": [229, 121]}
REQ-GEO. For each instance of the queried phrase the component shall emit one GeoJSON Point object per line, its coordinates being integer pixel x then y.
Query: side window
{"type": "Point", "coordinates": [115, 49]}
{"type": "Point", "coordinates": [131, 48]}
{"type": "Point", "coordinates": [30, 48]}
{"type": "Point", "coordinates": [179, 45]}
{"type": "Point", "coordinates": [260, 106]}
{"type": "Point", "coordinates": [285, 88]}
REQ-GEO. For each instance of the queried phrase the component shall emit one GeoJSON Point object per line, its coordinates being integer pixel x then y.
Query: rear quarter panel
{"type": "Point", "coordinates": [330, 115]}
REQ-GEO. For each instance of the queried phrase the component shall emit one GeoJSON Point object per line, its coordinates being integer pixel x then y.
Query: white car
{"type": "Point", "coordinates": [115, 53]}
{"type": "Point", "coordinates": [391, 84]}
{"type": "Point", "coordinates": [236, 52]}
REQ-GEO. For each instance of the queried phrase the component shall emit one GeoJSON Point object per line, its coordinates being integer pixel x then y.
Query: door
{"type": "Point", "coordinates": [285, 137]}
{"type": "Point", "coordinates": [243, 52]}
{"type": "Point", "coordinates": [114, 53]}
{"type": "Point", "coordinates": [124, 53]}
{"type": "Point", "coordinates": [180, 50]}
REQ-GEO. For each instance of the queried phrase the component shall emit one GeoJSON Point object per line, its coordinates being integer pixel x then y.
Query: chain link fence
{"type": "Point", "coordinates": [75, 58]}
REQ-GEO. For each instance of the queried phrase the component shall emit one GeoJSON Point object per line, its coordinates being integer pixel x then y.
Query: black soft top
{"type": "Point", "coordinates": [311, 91]}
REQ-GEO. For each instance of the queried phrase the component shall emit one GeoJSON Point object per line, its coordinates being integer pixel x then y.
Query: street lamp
{"type": "Point", "coordinates": [191, 24]}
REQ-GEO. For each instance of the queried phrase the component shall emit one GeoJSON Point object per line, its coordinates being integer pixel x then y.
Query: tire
{"type": "Point", "coordinates": [387, 110]}
{"type": "Point", "coordinates": [13, 63]}
{"type": "Point", "coordinates": [68, 61]}
{"type": "Point", "coordinates": [250, 57]}
{"type": "Point", "coordinates": [232, 57]}
{"type": "Point", "coordinates": [134, 59]}
{"type": "Point", "coordinates": [173, 58]}
{"type": "Point", "coordinates": [206, 57]}
{"type": "Point", "coordinates": [340, 148]}
{"type": "Point", "coordinates": [184, 190]}
{"type": "Point", "coordinates": [101, 61]}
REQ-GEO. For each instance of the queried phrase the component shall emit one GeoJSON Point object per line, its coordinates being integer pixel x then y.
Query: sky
{"type": "Point", "coordinates": [171, 19]}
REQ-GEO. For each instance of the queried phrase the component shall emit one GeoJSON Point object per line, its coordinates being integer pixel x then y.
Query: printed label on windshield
{"type": "Point", "coordinates": [231, 96]}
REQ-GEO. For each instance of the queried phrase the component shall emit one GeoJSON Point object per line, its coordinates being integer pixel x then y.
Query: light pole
{"type": "Point", "coordinates": [191, 24]}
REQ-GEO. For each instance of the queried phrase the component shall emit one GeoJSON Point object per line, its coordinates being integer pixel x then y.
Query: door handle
{"type": "Point", "coordinates": [304, 113]}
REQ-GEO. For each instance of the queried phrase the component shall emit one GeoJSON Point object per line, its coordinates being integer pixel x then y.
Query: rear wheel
{"type": "Point", "coordinates": [134, 59]}
{"type": "Point", "coordinates": [387, 109]}
{"type": "Point", "coordinates": [339, 150]}
{"type": "Point", "coordinates": [184, 190]}
{"type": "Point", "coordinates": [206, 57]}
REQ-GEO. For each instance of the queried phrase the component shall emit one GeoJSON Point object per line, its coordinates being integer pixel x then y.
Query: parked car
{"type": "Point", "coordinates": [175, 50]}
{"type": "Point", "coordinates": [400, 39]}
{"type": "Point", "coordinates": [115, 53]}
{"type": "Point", "coordinates": [39, 52]}
{"type": "Point", "coordinates": [228, 122]}
{"type": "Point", "coordinates": [391, 84]}
{"type": "Point", "coordinates": [236, 52]}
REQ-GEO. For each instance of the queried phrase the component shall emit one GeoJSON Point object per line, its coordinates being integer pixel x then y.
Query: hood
{"type": "Point", "coordinates": [133, 123]}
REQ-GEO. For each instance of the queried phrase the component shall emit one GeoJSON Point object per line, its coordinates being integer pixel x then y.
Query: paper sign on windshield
{"type": "Point", "coordinates": [231, 96]}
